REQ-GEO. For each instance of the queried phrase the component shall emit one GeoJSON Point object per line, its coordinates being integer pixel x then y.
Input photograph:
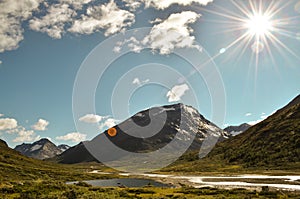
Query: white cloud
{"type": "Point", "coordinates": [8, 123]}
{"type": "Point", "coordinates": [132, 4]}
{"type": "Point", "coordinates": [138, 82]}
{"type": "Point", "coordinates": [110, 122]}
{"type": "Point", "coordinates": [74, 137]}
{"type": "Point", "coordinates": [263, 116]}
{"type": "Point", "coordinates": [164, 37]}
{"type": "Point", "coordinates": [26, 136]}
{"type": "Point", "coordinates": [255, 122]}
{"type": "Point", "coordinates": [41, 125]}
{"type": "Point", "coordinates": [15, 130]}
{"type": "Point", "coordinates": [163, 4]}
{"type": "Point", "coordinates": [53, 23]}
{"type": "Point", "coordinates": [76, 4]}
{"type": "Point", "coordinates": [92, 118]}
{"type": "Point", "coordinates": [106, 16]}
{"type": "Point", "coordinates": [248, 114]}
{"type": "Point", "coordinates": [174, 32]}
{"type": "Point", "coordinates": [12, 14]}
{"type": "Point", "coordinates": [133, 44]}
{"type": "Point", "coordinates": [177, 92]}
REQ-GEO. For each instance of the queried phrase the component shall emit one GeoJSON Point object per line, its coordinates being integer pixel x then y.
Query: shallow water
{"type": "Point", "coordinates": [124, 182]}
{"type": "Point", "coordinates": [200, 181]}
{"type": "Point", "coordinates": [239, 183]}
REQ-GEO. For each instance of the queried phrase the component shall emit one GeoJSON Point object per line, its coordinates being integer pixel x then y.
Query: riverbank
{"type": "Point", "coordinates": [250, 182]}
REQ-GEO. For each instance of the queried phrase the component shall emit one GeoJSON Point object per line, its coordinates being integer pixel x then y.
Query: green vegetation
{"type": "Point", "coordinates": [57, 190]}
{"type": "Point", "coordinates": [26, 178]}
{"type": "Point", "coordinates": [16, 167]}
{"type": "Point", "coordinates": [273, 144]}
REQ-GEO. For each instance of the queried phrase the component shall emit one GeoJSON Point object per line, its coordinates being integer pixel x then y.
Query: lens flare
{"type": "Point", "coordinates": [259, 25]}
{"type": "Point", "coordinates": [257, 47]}
{"type": "Point", "coordinates": [112, 132]}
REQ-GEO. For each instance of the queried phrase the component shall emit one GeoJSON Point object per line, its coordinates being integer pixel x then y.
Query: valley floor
{"type": "Point", "coordinates": [59, 190]}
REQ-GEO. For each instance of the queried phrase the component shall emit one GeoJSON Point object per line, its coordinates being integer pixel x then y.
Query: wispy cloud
{"type": "Point", "coordinates": [92, 118]}
{"type": "Point", "coordinates": [139, 82]}
{"type": "Point", "coordinates": [163, 4]}
{"type": "Point", "coordinates": [255, 122]}
{"type": "Point", "coordinates": [174, 32]}
{"type": "Point", "coordinates": [8, 123]}
{"type": "Point", "coordinates": [12, 14]}
{"type": "Point", "coordinates": [53, 23]}
{"type": "Point", "coordinates": [248, 114]}
{"type": "Point", "coordinates": [132, 4]}
{"type": "Point", "coordinates": [262, 117]}
{"type": "Point", "coordinates": [26, 136]}
{"type": "Point", "coordinates": [10, 126]}
{"type": "Point", "coordinates": [76, 4]}
{"type": "Point", "coordinates": [166, 35]}
{"type": "Point", "coordinates": [176, 93]}
{"type": "Point", "coordinates": [106, 17]}
{"type": "Point", "coordinates": [110, 122]}
{"type": "Point", "coordinates": [57, 18]}
{"type": "Point", "coordinates": [40, 125]}
{"type": "Point", "coordinates": [73, 137]}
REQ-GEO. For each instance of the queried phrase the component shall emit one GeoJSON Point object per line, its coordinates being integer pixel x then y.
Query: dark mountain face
{"type": "Point", "coordinates": [294, 102]}
{"type": "Point", "coordinates": [235, 130]}
{"type": "Point", "coordinates": [41, 149]}
{"type": "Point", "coordinates": [270, 143]}
{"type": "Point", "coordinates": [174, 127]}
{"type": "Point", "coordinates": [3, 143]}
{"type": "Point", "coordinates": [75, 154]}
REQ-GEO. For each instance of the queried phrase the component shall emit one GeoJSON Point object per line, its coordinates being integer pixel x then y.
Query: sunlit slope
{"type": "Point", "coordinates": [271, 143]}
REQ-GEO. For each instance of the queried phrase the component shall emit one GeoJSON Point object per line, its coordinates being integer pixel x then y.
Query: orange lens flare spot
{"type": "Point", "coordinates": [112, 132]}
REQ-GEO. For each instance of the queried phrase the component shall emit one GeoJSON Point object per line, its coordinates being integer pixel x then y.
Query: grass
{"type": "Point", "coordinates": [59, 190]}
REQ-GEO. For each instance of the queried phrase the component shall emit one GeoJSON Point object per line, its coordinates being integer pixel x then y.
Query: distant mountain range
{"type": "Point", "coordinates": [183, 123]}
{"type": "Point", "coordinates": [235, 130]}
{"type": "Point", "coordinates": [41, 149]}
{"type": "Point", "coordinates": [270, 143]}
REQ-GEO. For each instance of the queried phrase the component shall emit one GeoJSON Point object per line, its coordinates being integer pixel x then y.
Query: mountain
{"type": "Point", "coordinates": [75, 154]}
{"type": "Point", "coordinates": [273, 142]}
{"type": "Point", "coordinates": [63, 147]}
{"type": "Point", "coordinates": [294, 102]}
{"type": "Point", "coordinates": [148, 131]}
{"type": "Point", "coordinates": [41, 149]}
{"type": "Point", "coordinates": [3, 143]}
{"type": "Point", "coordinates": [235, 130]}
{"type": "Point", "coordinates": [15, 167]}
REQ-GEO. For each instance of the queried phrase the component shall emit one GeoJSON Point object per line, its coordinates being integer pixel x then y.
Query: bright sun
{"type": "Point", "coordinates": [259, 25]}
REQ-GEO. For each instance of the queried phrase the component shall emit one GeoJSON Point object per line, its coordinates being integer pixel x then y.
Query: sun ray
{"type": "Point", "coordinates": [260, 26]}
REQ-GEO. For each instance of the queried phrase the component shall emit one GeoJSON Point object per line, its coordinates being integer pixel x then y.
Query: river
{"type": "Point", "coordinates": [288, 182]}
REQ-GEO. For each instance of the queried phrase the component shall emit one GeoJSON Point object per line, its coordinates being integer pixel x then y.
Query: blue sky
{"type": "Point", "coordinates": [43, 48]}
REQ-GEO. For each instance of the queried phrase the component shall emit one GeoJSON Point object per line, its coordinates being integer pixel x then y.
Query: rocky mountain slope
{"type": "Point", "coordinates": [178, 123]}
{"type": "Point", "coordinates": [41, 149]}
{"type": "Point", "coordinates": [235, 130]}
